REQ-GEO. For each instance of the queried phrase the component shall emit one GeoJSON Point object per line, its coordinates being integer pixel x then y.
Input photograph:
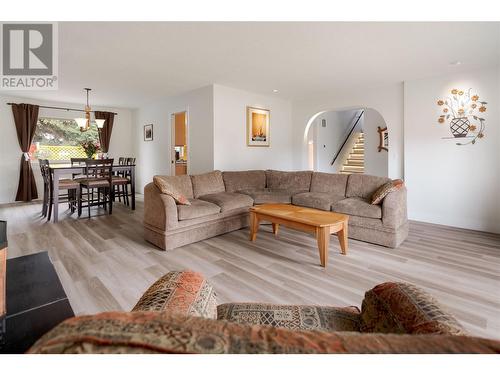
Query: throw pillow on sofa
{"type": "Point", "coordinates": [385, 189]}
{"type": "Point", "coordinates": [168, 189]}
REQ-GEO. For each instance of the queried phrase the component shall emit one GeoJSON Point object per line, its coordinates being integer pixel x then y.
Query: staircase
{"type": "Point", "coordinates": [355, 162]}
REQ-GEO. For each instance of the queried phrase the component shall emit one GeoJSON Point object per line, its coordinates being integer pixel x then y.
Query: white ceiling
{"type": "Point", "coordinates": [129, 64]}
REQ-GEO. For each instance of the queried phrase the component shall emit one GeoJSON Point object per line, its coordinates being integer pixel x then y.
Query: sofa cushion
{"type": "Point", "coordinates": [293, 317]}
{"type": "Point", "coordinates": [358, 207]}
{"type": "Point", "coordinates": [235, 181]}
{"type": "Point", "coordinates": [385, 189]}
{"type": "Point", "coordinates": [363, 185]}
{"type": "Point", "coordinates": [321, 201]}
{"type": "Point", "coordinates": [181, 184]}
{"type": "Point", "coordinates": [293, 181]}
{"type": "Point", "coordinates": [207, 183]}
{"type": "Point", "coordinates": [334, 183]}
{"type": "Point", "coordinates": [228, 201]}
{"type": "Point", "coordinates": [198, 208]}
{"type": "Point", "coordinates": [180, 292]}
{"type": "Point", "coordinates": [404, 308]}
{"type": "Point", "coordinates": [169, 189]}
{"type": "Point", "coordinates": [261, 196]}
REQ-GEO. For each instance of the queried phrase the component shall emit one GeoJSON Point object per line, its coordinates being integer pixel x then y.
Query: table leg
{"type": "Point", "coordinates": [55, 194]}
{"type": "Point", "coordinates": [254, 226]}
{"type": "Point", "coordinates": [323, 236]}
{"type": "Point", "coordinates": [132, 185]}
{"type": "Point", "coordinates": [276, 228]}
{"type": "Point", "coordinates": [342, 236]}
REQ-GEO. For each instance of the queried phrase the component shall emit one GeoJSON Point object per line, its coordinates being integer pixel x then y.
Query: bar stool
{"type": "Point", "coordinates": [99, 174]}
{"type": "Point", "coordinates": [122, 180]}
{"type": "Point", "coordinates": [71, 187]}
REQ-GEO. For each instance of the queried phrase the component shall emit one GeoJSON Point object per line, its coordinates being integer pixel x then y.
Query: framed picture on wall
{"type": "Point", "coordinates": [383, 139]}
{"type": "Point", "coordinates": [148, 132]}
{"type": "Point", "coordinates": [258, 126]}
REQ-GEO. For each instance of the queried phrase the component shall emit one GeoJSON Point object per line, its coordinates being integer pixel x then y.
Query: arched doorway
{"type": "Point", "coordinates": [347, 141]}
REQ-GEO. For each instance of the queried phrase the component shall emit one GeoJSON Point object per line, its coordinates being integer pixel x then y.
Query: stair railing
{"type": "Point", "coordinates": [356, 121]}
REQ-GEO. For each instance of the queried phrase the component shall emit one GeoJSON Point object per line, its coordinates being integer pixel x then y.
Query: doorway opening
{"type": "Point", "coordinates": [347, 142]}
{"type": "Point", "coordinates": [179, 144]}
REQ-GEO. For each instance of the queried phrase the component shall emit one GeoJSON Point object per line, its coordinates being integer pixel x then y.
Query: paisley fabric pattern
{"type": "Point", "coordinates": [181, 292]}
{"type": "Point", "coordinates": [160, 332]}
{"type": "Point", "coordinates": [404, 308]}
{"type": "Point", "coordinates": [295, 317]}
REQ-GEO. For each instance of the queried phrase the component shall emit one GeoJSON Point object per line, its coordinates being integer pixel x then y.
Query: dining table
{"type": "Point", "coordinates": [63, 170]}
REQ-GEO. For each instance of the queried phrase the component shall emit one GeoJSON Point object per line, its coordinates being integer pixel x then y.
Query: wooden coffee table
{"type": "Point", "coordinates": [321, 223]}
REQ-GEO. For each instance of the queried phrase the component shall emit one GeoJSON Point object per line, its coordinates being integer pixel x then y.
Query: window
{"type": "Point", "coordinates": [60, 139]}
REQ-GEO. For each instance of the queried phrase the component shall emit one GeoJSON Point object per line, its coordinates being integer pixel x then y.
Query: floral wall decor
{"type": "Point", "coordinates": [464, 112]}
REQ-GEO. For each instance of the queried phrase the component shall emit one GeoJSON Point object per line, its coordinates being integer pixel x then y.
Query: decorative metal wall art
{"type": "Point", "coordinates": [464, 112]}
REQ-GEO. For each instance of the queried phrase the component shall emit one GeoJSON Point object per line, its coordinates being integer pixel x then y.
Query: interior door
{"type": "Point", "coordinates": [179, 146]}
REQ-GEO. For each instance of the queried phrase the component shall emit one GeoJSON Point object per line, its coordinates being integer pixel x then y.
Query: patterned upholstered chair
{"type": "Point", "coordinates": [179, 314]}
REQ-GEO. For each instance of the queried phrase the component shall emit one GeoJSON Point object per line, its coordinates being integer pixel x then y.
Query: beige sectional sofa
{"type": "Point", "coordinates": [220, 202]}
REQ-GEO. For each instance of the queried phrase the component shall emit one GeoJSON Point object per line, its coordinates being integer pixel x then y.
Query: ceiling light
{"type": "Point", "coordinates": [84, 123]}
{"type": "Point", "coordinates": [455, 63]}
{"type": "Point", "coordinates": [275, 91]}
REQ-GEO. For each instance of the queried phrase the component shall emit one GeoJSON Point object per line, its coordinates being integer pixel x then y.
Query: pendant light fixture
{"type": "Point", "coordinates": [84, 122]}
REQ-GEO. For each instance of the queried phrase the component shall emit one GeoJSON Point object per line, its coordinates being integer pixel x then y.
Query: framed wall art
{"type": "Point", "coordinates": [383, 143]}
{"type": "Point", "coordinates": [258, 127]}
{"type": "Point", "coordinates": [148, 132]}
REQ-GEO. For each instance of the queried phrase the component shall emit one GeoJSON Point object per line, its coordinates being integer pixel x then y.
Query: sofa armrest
{"type": "Point", "coordinates": [404, 308]}
{"type": "Point", "coordinates": [160, 210]}
{"type": "Point", "coordinates": [394, 211]}
{"type": "Point", "coordinates": [180, 292]}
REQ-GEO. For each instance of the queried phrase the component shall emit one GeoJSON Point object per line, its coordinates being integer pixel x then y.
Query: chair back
{"type": "Point", "coordinates": [128, 161]}
{"type": "Point", "coordinates": [125, 161]}
{"type": "Point", "coordinates": [101, 169]}
{"type": "Point", "coordinates": [45, 170]}
{"type": "Point", "coordinates": [77, 162]}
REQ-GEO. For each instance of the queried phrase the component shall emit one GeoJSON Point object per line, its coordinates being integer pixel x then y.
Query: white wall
{"type": "Point", "coordinates": [327, 140]}
{"type": "Point", "coordinates": [376, 163]}
{"type": "Point", "coordinates": [230, 148]}
{"type": "Point", "coordinates": [154, 157]}
{"type": "Point", "coordinates": [450, 184]}
{"type": "Point", "coordinates": [10, 152]}
{"type": "Point", "coordinates": [498, 154]}
{"type": "Point", "coordinates": [387, 100]}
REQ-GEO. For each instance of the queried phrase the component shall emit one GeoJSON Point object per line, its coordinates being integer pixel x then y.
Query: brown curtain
{"type": "Point", "coordinates": [25, 118]}
{"type": "Point", "coordinates": [105, 132]}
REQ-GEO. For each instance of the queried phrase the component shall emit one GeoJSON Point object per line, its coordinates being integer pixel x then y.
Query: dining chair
{"type": "Point", "coordinates": [99, 176]}
{"type": "Point", "coordinates": [122, 180]}
{"type": "Point", "coordinates": [45, 172]}
{"type": "Point", "coordinates": [71, 188]}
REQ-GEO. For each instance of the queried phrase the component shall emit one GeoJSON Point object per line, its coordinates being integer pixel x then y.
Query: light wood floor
{"type": "Point", "coordinates": [104, 264]}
